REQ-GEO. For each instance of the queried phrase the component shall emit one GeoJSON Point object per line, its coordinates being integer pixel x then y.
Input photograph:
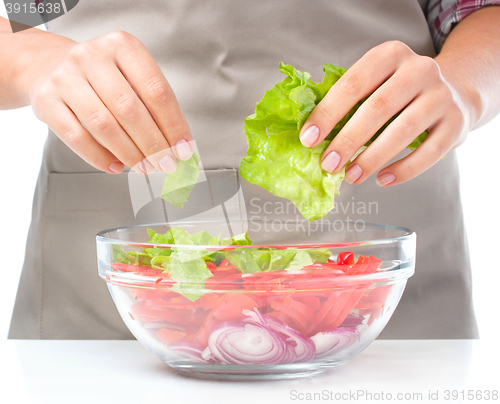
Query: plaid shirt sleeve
{"type": "Point", "coordinates": [443, 14]}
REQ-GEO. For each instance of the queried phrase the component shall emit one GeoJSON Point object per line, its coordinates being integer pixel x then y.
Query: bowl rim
{"type": "Point", "coordinates": [407, 233]}
{"type": "Point", "coordinates": [401, 270]}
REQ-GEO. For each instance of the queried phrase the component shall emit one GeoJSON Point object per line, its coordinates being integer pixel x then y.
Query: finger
{"type": "Point", "coordinates": [141, 71]}
{"type": "Point", "coordinates": [438, 143]}
{"type": "Point", "coordinates": [99, 121]}
{"type": "Point", "coordinates": [390, 98]}
{"type": "Point", "coordinates": [68, 128]}
{"type": "Point", "coordinates": [421, 114]}
{"type": "Point", "coordinates": [362, 79]}
{"type": "Point", "coordinates": [132, 115]}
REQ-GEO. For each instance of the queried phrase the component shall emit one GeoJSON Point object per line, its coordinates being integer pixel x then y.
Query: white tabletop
{"type": "Point", "coordinates": [72, 372]}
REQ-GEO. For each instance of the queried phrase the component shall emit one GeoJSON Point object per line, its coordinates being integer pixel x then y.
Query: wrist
{"type": "Point", "coordinates": [466, 94]}
{"type": "Point", "coordinates": [36, 61]}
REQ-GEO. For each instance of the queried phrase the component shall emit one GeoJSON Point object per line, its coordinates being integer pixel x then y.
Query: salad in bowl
{"type": "Point", "coordinates": [256, 305]}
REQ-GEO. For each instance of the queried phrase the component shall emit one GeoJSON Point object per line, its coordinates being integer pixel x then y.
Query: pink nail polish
{"type": "Point", "coordinates": [168, 164]}
{"type": "Point", "coordinates": [310, 135]}
{"type": "Point", "coordinates": [146, 167]}
{"type": "Point", "coordinates": [331, 161]}
{"type": "Point", "coordinates": [183, 150]}
{"type": "Point", "coordinates": [385, 179]}
{"type": "Point", "coordinates": [117, 167]}
{"type": "Point", "coordinates": [353, 173]}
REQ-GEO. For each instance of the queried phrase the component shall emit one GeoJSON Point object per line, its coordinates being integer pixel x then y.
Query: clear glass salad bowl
{"type": "Point", "coordinates": [304, 298]}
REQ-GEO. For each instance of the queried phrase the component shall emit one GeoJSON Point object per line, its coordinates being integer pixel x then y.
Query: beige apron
{"type": "Point", "coordinates": [220, 56]}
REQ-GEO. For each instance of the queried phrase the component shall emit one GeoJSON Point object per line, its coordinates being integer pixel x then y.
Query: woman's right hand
{"type": "Point", "coordinates": [108, 101]}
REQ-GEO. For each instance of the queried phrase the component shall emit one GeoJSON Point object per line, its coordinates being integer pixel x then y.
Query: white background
{"type": "Point", "coordinates": [22, 137]}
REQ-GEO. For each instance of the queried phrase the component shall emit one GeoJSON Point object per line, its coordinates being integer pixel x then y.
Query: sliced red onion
{"type": "Point", "coordinates": [352, 320]}
{"type": "Point", "coordinates": [243, 343]}
{"type": "Point", "coordinates": [207, 356]}
{"type": "Point", "coordinates": [333, 341]}
{"type": "Point", "coordinates": [191, 351]}
{"type": "Point", "coordinates": [303, 346]}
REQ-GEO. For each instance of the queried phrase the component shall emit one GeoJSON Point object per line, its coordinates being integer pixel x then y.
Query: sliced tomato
{"type": "Point", "coordinates": [345, 258]}
{"type": "Point", "coordinates": [224, 263]}
{"type": "Point", "coordinates": [232, 305]}
{"type": "Point", "coordinates": [168, 336]}
{"type": "Point", "coordinates": [201, 336]}
{"type": "Point", "coordinates": [209, 301]}
{"type": "Point", "coordinates": [211, 266]}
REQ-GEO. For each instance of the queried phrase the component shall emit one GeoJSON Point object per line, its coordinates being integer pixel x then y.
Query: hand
{"type": "Point", "coordinates": [109, 102]}
{"type": "Point", "coordinates": [399, 80]}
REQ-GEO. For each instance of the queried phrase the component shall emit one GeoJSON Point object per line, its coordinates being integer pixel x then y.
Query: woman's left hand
{"type": "Point", "coordinates": [397, 79]}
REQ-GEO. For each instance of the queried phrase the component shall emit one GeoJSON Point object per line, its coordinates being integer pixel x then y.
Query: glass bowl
{"type": "Point", "coordinates": [303, 299]}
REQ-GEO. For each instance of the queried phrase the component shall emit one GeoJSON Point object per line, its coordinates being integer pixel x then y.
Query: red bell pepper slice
{"type": "Point", "coordinates": [327, 306]}
{"type": "Point", "coordinates": [373, 265]}
{"type": "Point", "coordinates": [311, 301]}
{"type": "Point", "coordinates": [347, 307]}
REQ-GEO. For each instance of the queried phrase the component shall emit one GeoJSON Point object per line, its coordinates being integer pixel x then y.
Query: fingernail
{"type": "Point", "coordinates": [168, 164]}
{"type": "Point", "coordinates": [331, 161]}
{"type": "Point", "coordinates": [385, 178]}
{"type": "Point", "coordinates": [116, 167]}
{"type": "Point", "coordinates": [146, 167]}
{"type": "Point", "coordinates": [183, 150]}
{"type": "Point", "coordinates": [353, 173]}
{"type": "Point", "coordinates": [309, 136]}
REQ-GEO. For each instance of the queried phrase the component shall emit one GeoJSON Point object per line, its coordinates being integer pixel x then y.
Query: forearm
{"type": "Point", "coordinates": [24, 57]}
{"type": "Point", "coordinates": [470, 62]}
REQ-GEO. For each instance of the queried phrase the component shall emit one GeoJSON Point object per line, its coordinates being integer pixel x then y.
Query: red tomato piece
{"type": "Point", "coordinates": [168, 336]}
{"type": "Point", "coordinates": [345, 258]}
{"type": "Point", "coordinates": [211, 266]}
{"type": "Point", "coordinates": [232, 306]}
{"type": "Point", "coordinates": [224, 263]}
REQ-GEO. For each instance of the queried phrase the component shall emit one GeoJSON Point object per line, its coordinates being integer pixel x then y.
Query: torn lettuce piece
{"type": "Point", "coordinates": [299, 261]}
{"type": "Point", "coordinates": [191, 274]}
{"type": "Point", "coordinates": [178, 186]}
{"type": "Point", "coordinates": [185, 266]}
{"type": "Point", "coordinates": [276, 159]}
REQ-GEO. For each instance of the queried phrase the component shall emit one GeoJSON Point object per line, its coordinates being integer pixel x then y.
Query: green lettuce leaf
{"type": "Point", "coordinates": [190, 273]}
{"type": "Point", "coordinates": [178, 185]}
{"type": "Point", "coordinates": [299, 261]}
{"type": "Point", "coordinates": [188, 266]}
{"type": "Point", "coordinates": [276, 159]}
